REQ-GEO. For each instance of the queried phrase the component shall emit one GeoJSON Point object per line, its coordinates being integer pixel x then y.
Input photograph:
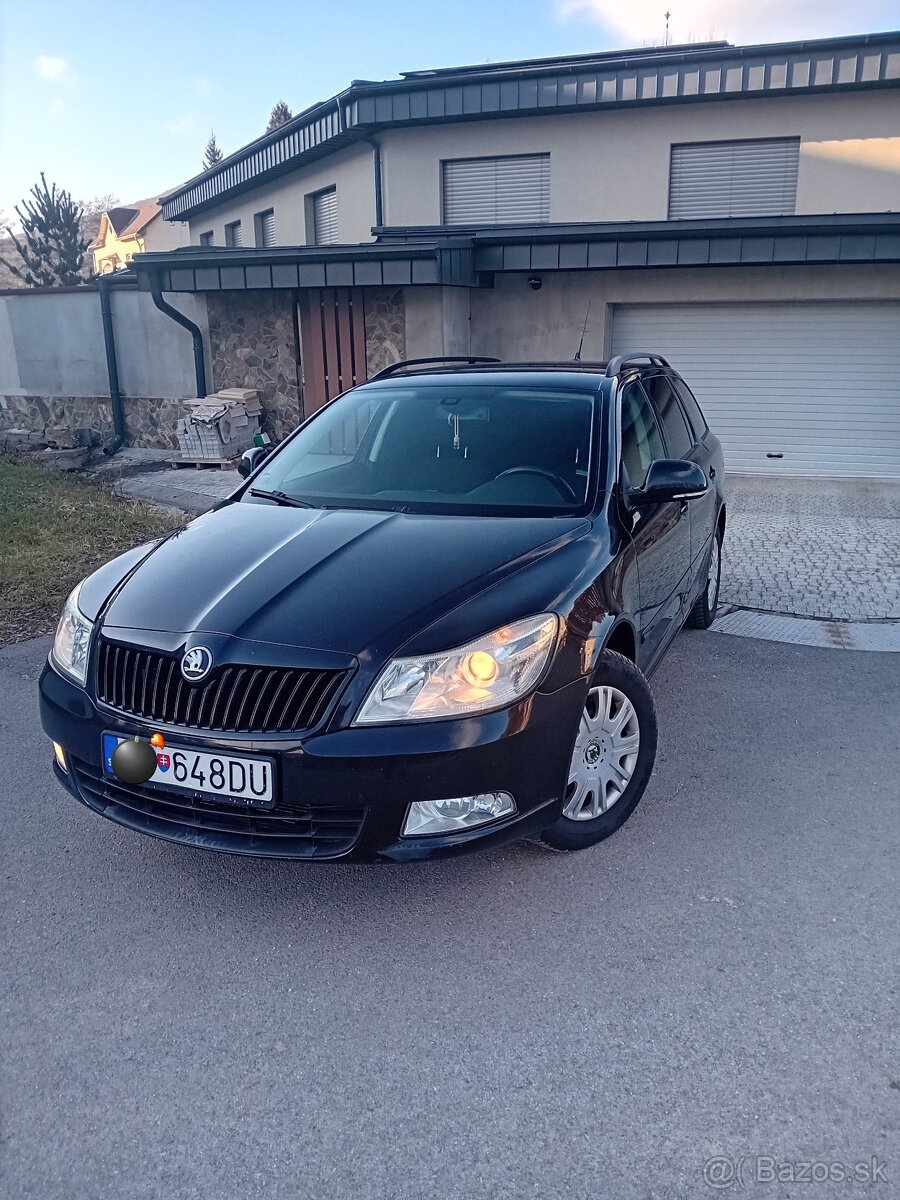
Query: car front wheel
{"type": "Point", "coordinates": [613, 755]}
{"type": "Point", "coordinates": [703, 613]}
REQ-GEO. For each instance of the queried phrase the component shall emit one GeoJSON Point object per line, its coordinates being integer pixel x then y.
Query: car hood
{"type": "Point", "coordinates": [339, 580]}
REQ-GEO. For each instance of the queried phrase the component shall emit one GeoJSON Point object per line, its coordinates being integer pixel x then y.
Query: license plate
{"type": "Point", "coordinates": [227, 778]}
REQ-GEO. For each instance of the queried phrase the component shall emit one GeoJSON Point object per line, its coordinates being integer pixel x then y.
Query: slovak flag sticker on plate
{"type": "Point", "coordinates": [163, 762]}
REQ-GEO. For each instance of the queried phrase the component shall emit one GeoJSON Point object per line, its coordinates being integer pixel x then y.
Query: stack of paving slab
{"type": "Point", "coordinates": [219, 427]}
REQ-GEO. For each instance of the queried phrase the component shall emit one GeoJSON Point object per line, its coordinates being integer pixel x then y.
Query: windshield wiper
{"type": "Point", "coordinates": [281, 498]}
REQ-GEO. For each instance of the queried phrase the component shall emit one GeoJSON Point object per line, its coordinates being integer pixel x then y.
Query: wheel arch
{"type": "Point", "coordinates": [623, 639]}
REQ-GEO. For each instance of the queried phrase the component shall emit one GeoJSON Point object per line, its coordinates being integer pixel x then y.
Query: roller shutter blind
{"type": "Point", "coordinates": [234, 234]}
{"type": "Point", "coordinates": [496, 191]}
{"type": "Point", "coordinates": [734, 179]}
{"type": "Point", "coordinates": [325, 227]}
{"type": "Point", "coordinates": [790, 388]}
{"type": "Point", "coordinates": [265, 228]}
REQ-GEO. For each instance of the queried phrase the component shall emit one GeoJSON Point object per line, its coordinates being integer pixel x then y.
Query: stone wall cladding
{"type": "Point", "coordinates": [253, 344]}
{"type": "Point", "coordinates": [385, 328]}
{"type": "Point", "coordinates": [150, 421]}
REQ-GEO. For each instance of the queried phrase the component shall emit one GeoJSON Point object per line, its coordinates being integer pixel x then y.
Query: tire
{"type": "Point", "coordinates": [703, 613]}
{"type": "Point", "coordinates": [600, 759]}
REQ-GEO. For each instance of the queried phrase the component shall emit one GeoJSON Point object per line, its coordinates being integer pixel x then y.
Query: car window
{"type": "Point", "coordinates": [429, 447]}
{"type": "Point", "coordinates": [641, 439]}
{"type": "Point", "coordinates": [691, 407]}
{"type": "Point", "coordinates": [679, 439]}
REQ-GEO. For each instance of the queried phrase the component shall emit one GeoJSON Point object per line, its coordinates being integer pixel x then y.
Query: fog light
{"type": "Point", "coordinates": [60, 757]}
{"type": "Point", "coordinates": [427, 817]}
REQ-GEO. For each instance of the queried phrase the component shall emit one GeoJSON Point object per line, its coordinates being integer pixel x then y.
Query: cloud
{"type": "Point", "coordinates": [50, 67]}
{"type": "Point", "coordinates": [642, 21]}
{"type": "Point", "coordinates": [181, 126]}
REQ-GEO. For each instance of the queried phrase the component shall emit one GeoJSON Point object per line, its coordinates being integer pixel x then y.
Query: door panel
{"type": "Point", "coordinates": [333, 343]}
{"type": "Point", "coordinates": [661, 532]}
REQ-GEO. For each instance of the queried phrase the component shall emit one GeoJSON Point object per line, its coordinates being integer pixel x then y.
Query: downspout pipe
{"type": "Point", "coordinates": [376, 158]}
{"type": "Point", "coordinates": [112, 368]}
{"type": "Point", "coordinates": [189, 325]}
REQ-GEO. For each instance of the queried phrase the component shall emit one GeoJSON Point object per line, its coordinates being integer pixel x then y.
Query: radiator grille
{"type": "Point", "coordinates": [232, 699]}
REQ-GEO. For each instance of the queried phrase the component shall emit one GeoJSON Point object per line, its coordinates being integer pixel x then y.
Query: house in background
{"type": "Point", "coordinates": [133, 229]}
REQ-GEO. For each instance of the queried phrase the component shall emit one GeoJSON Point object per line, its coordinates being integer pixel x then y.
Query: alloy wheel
{"type": "Point", "coordinates": [605, 754]}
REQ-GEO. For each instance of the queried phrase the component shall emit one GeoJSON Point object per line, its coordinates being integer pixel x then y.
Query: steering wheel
{"type": "Point", "coordinates": [560, 484]}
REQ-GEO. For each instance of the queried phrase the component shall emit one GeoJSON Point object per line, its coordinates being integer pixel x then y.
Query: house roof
{"type": "Point", "coordinates": [658, 75]}
{"type": "Point", "coordinates": [129, 220]}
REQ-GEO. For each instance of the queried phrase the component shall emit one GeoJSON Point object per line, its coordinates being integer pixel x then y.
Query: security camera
{"type": "Point", "coordinates": [535, 283]}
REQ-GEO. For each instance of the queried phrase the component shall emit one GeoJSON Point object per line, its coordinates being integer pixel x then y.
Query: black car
{"type": "Point", "coordinates": [423, 624]}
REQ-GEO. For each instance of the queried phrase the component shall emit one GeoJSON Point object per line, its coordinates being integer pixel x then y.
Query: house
{"type": "Point", "coordinates": [132, 229]}
{"type": "Point", "coordinates": [734, 208]}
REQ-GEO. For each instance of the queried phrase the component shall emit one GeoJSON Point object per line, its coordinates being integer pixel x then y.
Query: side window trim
{"type": "Point", "coordinates": [660, 423]}
{"type": "Point", "coordinates": [620, 448]}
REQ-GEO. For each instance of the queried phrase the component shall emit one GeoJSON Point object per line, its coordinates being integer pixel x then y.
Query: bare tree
{"type": "Point", "coordinates": [280, 115]}
{"type": "Point", "coordinates": [52, 246]}
{"type": "Point", "coordinates": [212, 155]}
{"type": "Point", "coordinates": [92, 210]}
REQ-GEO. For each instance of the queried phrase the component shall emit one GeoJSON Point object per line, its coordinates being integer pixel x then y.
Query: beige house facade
{"type": "Point", "coordinates": [736, 209]}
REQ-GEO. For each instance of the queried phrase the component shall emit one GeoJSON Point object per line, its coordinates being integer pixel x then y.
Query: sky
{"type": "Point", "coordinates": [120, 99]}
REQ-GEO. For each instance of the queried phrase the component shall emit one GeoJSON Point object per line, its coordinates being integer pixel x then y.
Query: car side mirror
{"type": "Point", "coordinates": [251, 459]}
{"type": "Point", "coordinates": [670, 479]}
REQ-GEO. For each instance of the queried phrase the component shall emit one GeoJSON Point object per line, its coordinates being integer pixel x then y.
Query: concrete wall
{"type": "Point", "coordinates": [614, 165]}
{"type": "Point", "coordinates": [513, 322]}
{"type": "Point", "coordinates": [51, 344]}
{"type": "Point", "coordinates": [53, 362]}
{"type": "Point", "coordinates": [349, 170]}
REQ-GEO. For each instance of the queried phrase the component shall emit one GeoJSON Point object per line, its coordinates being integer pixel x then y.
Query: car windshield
{"type": "Point", "coordinates": [436, 447]}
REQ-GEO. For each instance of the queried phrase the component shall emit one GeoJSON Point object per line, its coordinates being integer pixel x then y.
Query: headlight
{"type": "Point", "coordinates": [489, 673]}
{"type": "Point", "coordinates": [72, 641]}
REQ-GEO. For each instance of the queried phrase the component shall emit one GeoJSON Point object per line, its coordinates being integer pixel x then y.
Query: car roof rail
{"type": "Point", "coordinates": [405, 363]}
{"type": "Point", "coordinates": [635, 359]}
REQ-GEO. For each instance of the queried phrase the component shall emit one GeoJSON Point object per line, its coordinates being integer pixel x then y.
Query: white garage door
{"type": "Point", "coordinates": [791, 389]}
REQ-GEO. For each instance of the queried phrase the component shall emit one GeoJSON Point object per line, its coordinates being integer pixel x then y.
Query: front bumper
{"type": "Point", "coordinates": [342, 794]}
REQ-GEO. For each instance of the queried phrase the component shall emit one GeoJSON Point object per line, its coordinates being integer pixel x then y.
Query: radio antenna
{"type": "Point", "coordinates": [583, 332]}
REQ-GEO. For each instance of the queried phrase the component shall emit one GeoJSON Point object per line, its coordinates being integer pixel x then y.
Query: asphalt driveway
{"type": "Point", "coordinates": [719, 979]}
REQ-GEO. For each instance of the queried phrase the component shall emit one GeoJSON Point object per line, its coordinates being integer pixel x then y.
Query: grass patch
{"type": "Point", "coordinates": [56, 528]}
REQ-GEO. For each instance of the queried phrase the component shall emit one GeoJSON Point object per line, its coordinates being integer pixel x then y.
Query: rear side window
{"type": "Point", "coordinates": [691, 407]}
{"type": "Point", "coordinates": [679, 439]}
{"type": "Point", "coordinates": [641, 439]}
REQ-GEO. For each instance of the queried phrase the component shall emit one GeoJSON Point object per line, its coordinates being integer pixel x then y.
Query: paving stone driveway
{"type": "Point", "coordinates": [816, 548]}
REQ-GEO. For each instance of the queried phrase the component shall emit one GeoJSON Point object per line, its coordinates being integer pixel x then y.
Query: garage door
{"type": "Point", "coordinates": [791, 389]}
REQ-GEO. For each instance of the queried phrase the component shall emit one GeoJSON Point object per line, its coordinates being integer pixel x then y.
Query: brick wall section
{"type": "Point", "coordinates": [385, 328]}
{"type": "Point", "coordinates": [253, 344]}
{"type": "Point", "coordinates": [150, 421]}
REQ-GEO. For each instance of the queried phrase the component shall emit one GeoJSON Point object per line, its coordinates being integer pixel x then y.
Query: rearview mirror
{"type": "Point", "coordinates": [251, 459]}
{"type": "Point", "coordinates": [670, 479]}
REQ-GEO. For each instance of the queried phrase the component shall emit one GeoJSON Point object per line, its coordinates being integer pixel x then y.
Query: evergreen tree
{"type": "Point", "coordinates": [281, 114]}
{"type": "Point", "coordinates": [53, 245]}
{"type": "Point", "coordinates": [212, 155]}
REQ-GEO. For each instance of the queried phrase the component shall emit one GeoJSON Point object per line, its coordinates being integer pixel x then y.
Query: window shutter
{"type": "Point", "coordinates": [734, 179]}
{"type": "Point", "coordinates": [496, 191]}
{"type": "Point", "coordinates": [268, 228]}
{"type": "Point", "coordinates": [234, 234]}
{"type": "Point", "coordinates": [325, 217]}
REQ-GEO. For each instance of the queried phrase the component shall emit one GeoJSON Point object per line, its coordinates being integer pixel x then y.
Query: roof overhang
{"type": "Point", "coordinates": [370, 264]}
{"type": "Point", "coordinates": [664, 75]}
{"type": "Point", "coordinates": [470, 258]}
